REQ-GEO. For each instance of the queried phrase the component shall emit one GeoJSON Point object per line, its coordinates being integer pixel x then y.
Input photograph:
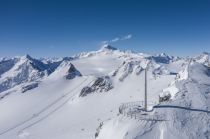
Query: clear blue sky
{"type": "Point", "coordinates": [46, 28]}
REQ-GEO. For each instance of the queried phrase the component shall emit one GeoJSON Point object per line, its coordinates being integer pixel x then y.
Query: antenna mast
{"type": "Point", "coordinates": [145, 95]}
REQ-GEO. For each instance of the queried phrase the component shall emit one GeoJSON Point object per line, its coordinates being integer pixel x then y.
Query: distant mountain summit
{"type": "Point", "coordinates": [204, 58]}
{"type": "Point", "coordinates": [162, 58]}
{"type": "Point", "coordinates": [25, 69]}
{"type": "Point", "coordinates": [107, 47]}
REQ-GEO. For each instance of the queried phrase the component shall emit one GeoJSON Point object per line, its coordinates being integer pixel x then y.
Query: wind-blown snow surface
{"type": "Point", "coordinates": [55, 110]}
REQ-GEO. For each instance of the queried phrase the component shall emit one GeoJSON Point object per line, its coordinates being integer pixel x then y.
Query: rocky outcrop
{"type": "Point", "coordinates": [29, 87]}
{"type": "Point", "coordinates": [101, 84]}
{"type": "Point", "coordinates": [21, 70]}
{"type": "Point", "coordinates": [72, 72]}
{"type": "Point", "coordinates": [128, 67]}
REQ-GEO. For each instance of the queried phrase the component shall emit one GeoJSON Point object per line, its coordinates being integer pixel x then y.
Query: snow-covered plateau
{"type": "Point", "coordinates": [79, 97]}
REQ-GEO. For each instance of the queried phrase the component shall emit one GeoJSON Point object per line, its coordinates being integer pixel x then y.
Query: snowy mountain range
{"type": "Point", "coordinates": [79, 97]}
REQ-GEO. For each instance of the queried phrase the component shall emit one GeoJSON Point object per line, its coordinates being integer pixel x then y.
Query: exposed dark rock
{"type": "Point", "coordinates": [162, 58]}
{"type": "Point", "coordinates": [173, 73]}
{"type": "Point", "coordinates": [29, 87]}
{"type": "Point", "coordinates": [164, 98]}
{"type": "Point", "coordinates": [72, 72]}
{"type": "Point", "coordinates": [98, 129]}
{"type": "Point", "coordinates": [4, 95]}
{"type": "Point", "coordinates": [108, 47]}
{"type": "Point", "coordinates": [85, 91]}
{"type": "Point", "coordinates": [101, 84]}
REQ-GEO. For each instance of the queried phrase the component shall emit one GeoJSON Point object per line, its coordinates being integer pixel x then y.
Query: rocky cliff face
{"type": "Point", "coordinates": [101, 84]}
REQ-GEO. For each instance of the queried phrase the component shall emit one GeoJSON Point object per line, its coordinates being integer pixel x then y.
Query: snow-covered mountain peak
{"type": "Point", "coordinates": [62, 69]}
{"type": "Point", "coordinates": [105, 49]}
{"type": "Point", "coordinates": [163, 55]}
{"type": "Point", "coordinates": [204, 58]}
{"type": "Point", "coordinates": [206, 53]}
{"type": "Point", "coordinates": [108, 47]}
{"type": "Point", "coordinates": [65, 69]}
{"type": "Point", "coordinates": [21, 70]}
{"type": "Point", "coordinates": [26, 57]}
{"type": "Point", "coordinates": [162, 58]}
{"type": "Point", "coordinates": [65, 63]}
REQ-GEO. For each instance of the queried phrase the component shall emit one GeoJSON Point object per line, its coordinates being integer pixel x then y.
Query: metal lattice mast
{"type": "Point", "coordinates": [145, 95]}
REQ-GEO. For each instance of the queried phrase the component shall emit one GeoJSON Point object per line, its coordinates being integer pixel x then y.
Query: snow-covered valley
{"type": "Point", "coordinates": [77, 97]}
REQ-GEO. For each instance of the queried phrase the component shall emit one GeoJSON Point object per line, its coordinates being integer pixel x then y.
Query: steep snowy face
{"type": "Point", "coordinates": [128, 67]}
{"type": "Point", "coordinates": [54, 59]}
{"type": "Point", "coordinates": [196, 88]}
{"type": "Point", "coordinates": [162, 58]}
{"type": "Point", "coordinates": [200, 73]}
{"type": "Point", "coordinates": [137, 65]}
{"type": "Point", "coordinates": [20, 70]}
{"type": "Point", "coordinates": [6, 64]}
{"type": "Point", "coordinates": [26, 69]}
{"type": "Point", "coordinates": [190, 118]}
{"type": "Point", "coordinates": [65, 69]}
{"type": "Point", "coordinates": [203, 58]}
{"type": "Point", "coordinates": [187, 115]}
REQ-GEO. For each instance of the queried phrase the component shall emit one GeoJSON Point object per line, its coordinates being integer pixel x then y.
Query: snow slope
{"type": "Point", "coordinates": [187, 115]}
{"type": "Point", "coordinates": [55, 110]}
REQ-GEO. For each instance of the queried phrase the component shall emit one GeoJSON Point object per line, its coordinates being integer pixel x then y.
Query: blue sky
{"type": "Point", "coordinates": [46, 28]}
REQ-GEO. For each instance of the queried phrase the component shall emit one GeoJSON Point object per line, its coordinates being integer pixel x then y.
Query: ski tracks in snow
{"type": "Point", "coordinates": [45, 112]}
